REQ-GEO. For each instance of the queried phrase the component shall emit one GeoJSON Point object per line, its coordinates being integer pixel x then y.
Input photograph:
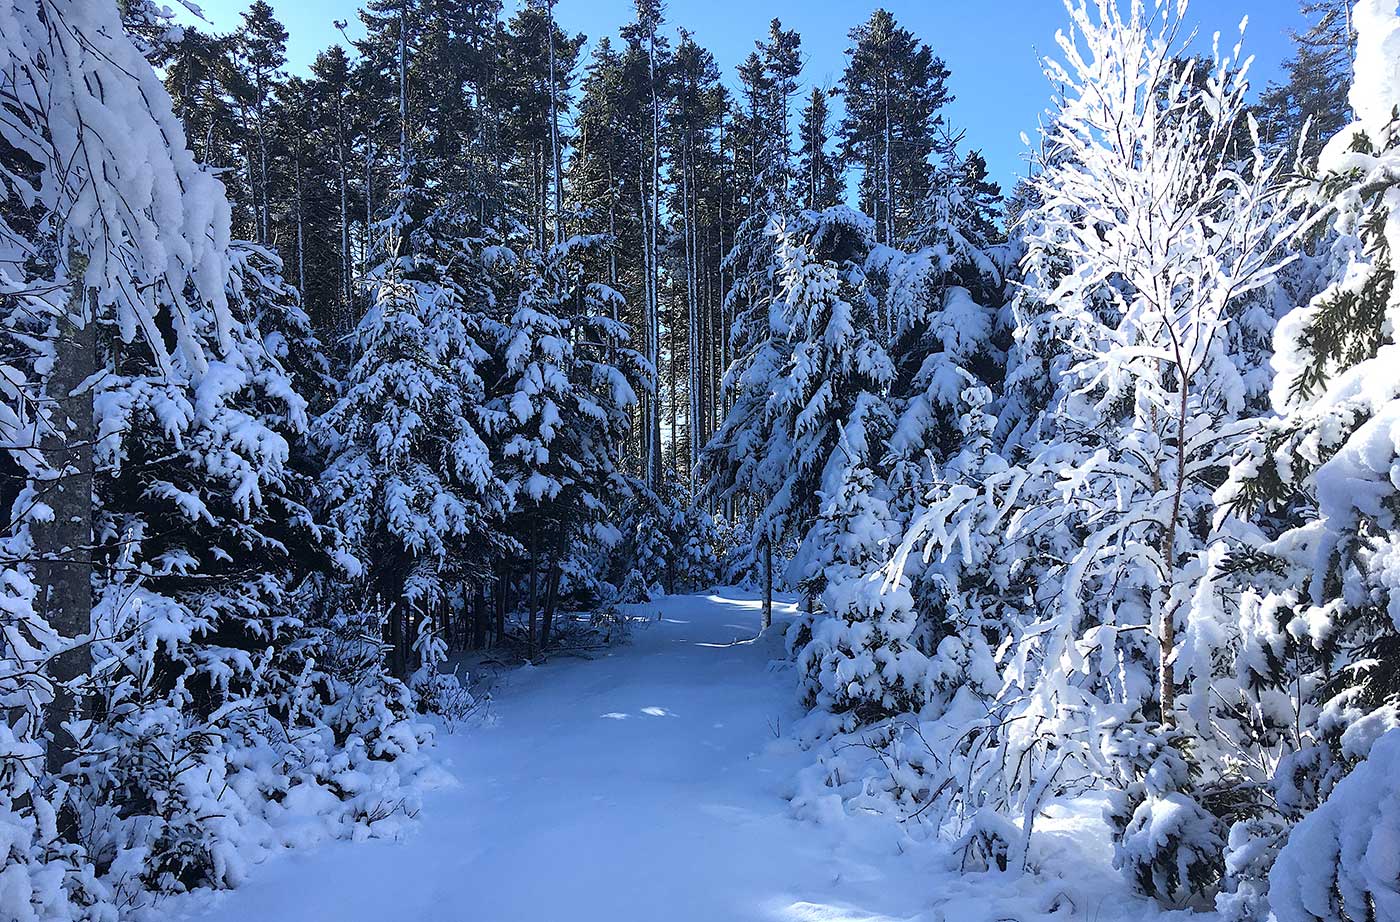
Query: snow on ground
{"type": "Point", "coordinates": [649, 784]}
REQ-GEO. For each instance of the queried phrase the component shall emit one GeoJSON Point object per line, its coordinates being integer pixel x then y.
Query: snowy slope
{"type": "Point", "coordinates": [646, 785]}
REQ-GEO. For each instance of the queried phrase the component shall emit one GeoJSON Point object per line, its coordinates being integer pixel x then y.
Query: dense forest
{"type": "Point", "coordinates": [464, 340]}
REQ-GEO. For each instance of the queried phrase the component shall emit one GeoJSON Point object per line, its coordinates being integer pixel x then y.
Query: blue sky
{"type": "Point", "coordinates": [992, 47]}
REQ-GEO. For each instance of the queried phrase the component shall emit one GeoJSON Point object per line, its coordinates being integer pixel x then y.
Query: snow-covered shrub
{"type": "Point", "coordinates": [857, 660]}
{"type": "Point", "coordinates": [671, 543]}
{"type": "Point", "coordinates": [1342, 861]}
{"type": "Point", "coordinates": [1165, 841]}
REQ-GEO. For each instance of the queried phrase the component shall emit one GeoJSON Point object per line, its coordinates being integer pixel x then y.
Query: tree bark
{"type": "Point", "coordinates": [1167, 640]}
{"type": "Point", "coordinates": [767, 583]}
{"type": "Point", "coordinates": [63, 545]}
{"type": "Point", "coordinates": [479, 618]}
{"type": "Point", "coordinates": [502, 600]}
{"type": "Point", "coordinates": [551, 597]}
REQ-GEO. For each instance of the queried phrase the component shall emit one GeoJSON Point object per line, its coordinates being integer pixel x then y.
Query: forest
{"type": "Point", "coordinates": [339, 407]}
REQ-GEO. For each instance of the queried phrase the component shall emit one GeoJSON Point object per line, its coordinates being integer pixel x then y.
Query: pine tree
{"type": "Point", "coordinates": [540, 60]}
{"type": "Point", "coordinates": [332, 85]}
{"type": "Point", "coordinates": [945, 301]}
{"type": "Point", "coordinates": [894, 88]}
{"type": "Point", "coordinates": [1318, 477]}
{"type": "Point", "coordinates": [820, 180]}
{"type": "Point", "coordinates": [157, 629]}
{"type": "Point", "coordinates": [411, 482]}
{"type": "Point", "coordinates": [646, 63]}
{"type": "Point", "coordinates": [1314, 95]}
{"type": "Point", "coordinates": [698, 106]}
{"type": "Point", "coordinates": [262, 46]}
{"type": "Point", "coordinates": [565, 395]}
{"type": "Point", "coordinates": [827, 408]}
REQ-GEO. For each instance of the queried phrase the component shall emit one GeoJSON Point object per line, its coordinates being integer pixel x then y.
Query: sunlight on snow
{"type": "Point", "coordinates": [803, 911]}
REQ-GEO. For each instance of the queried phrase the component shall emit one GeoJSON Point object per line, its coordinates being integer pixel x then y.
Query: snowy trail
{"type": "Point", "coordinates": [631, 788]}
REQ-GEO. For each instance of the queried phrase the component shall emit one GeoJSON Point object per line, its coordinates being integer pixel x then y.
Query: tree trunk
{"type": "Point", "coordinates": [534, 586]}
{"type": "Point", "coordinates": [767, 583]}
{"type": "Point", "coordinates": [63, 545]}
{"type": "Point", "coordinates": [551, 597]}
{"type": "Point", "coordinates": [480, 619]}
{"type": "Point", "coordinates": [1167, 640]}
{"type": "Point", "coordinates": [556, 148]}
{"type": "Point", "coordinates": [343, 321]}
{"type": "Point", "coordinates": [398, 639]}
{"type": "Point", "coordinates": [502, 600]}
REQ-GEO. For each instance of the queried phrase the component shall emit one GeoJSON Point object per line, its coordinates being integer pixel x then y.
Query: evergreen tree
{"type": "Point", "coordinates": [827, 408]}
{"type": "Point", "coordinates": [539, 60]}
{"type": "Point", "coordinates": [262, 47]}
{"type": "Point", "coordinates": [820, 180]}
{"type": "Point", "coordinates": [411, 483]}
{"type": "Point", "coordinates": [1318, 477]}
{"type": "Point", "coordinates": [1314, 95]}
{"type": "Point", "coordinates": [894, 88]}
{"type": "Point", "coordinates": [565, 394]}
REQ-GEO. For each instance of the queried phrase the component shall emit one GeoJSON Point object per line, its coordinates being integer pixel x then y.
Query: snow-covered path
{"type": "Point", "coordinates": [637, 787]}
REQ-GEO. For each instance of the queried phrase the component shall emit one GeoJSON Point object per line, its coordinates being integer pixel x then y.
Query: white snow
{"type": "Point", "coordinates": [651, 784]}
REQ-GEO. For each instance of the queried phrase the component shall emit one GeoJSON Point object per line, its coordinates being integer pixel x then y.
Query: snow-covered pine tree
{"type": "Point", "coordinates": [827, 408]}
{"type": "Point", "coordinates": [566, 387]}
{"type": "Point", "coordinates": [213, 693]}
{"type": "Point", "coordinates": [411, 482]}
{"type": "Point", "coordinates": [738, 467]}
{"type": "Point", "coordinates": [86, 134]}
{"type": "Point", "coordinates": [857, 660]}
{"type": "Point", "coordinates": [943, 343]}
{"type": "Point", "coordinates": [1320, 620]}
{"type": "Point", "coordinates": [151, 619]}
{"type": "Point", "coordinates": [671, 543]}
{"type": "Point", "coordinates": [946, 303]}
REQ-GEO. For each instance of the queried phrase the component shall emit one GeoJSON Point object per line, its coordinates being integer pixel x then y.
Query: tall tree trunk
{"type": "Point", "coordinates": [262, 197]}
{"type": "Point", "coordinates": [502, 594]}
{"type": "Point", "coordinates": [655, 305]}
{"type": "Point", "coordinates": [63, 544]}
{"type": "Point", "coordinates": [369, 206]}
{"type": "Point", "coordinates": [480, 619]}
{"type": "Point", "coordinates": [888, 178]}
{"type": "Point", "coordinates": [343, 321]}
{"type": "Point", "coordinates": [534, 585]}
{"type": "Point", "coordinates": [301, 232]}
{"type": "Point", "coordinates": [403, 94]}
{"type": "Point", "coordinates": [551, 595]}
{"type": "Point", "coordinates": [556, 153]}
{"type": "Point", "coordinates": [767, 583]}
{"type": "Point", "coordinates": [1167, 640]}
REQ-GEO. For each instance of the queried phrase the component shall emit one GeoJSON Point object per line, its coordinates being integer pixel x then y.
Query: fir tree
{"type": "Point", "coordinates": [819, 178]}
{"type": "Point", "coordinates": [894, 88]}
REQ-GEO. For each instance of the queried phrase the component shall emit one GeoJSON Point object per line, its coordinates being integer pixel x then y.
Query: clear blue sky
{"type": "Point", "coordinates": [992, 47]}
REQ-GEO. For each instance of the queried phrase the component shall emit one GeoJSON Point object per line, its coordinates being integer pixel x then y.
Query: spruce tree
{"type": "Point", "coordinates": [1314, 96]}
{"type": "Point", "coordinates": [818, 177]}
{"type": "Point", "coordinates": [1322, 468]}
{"type": "Point", "coordinates": [894, 88]}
